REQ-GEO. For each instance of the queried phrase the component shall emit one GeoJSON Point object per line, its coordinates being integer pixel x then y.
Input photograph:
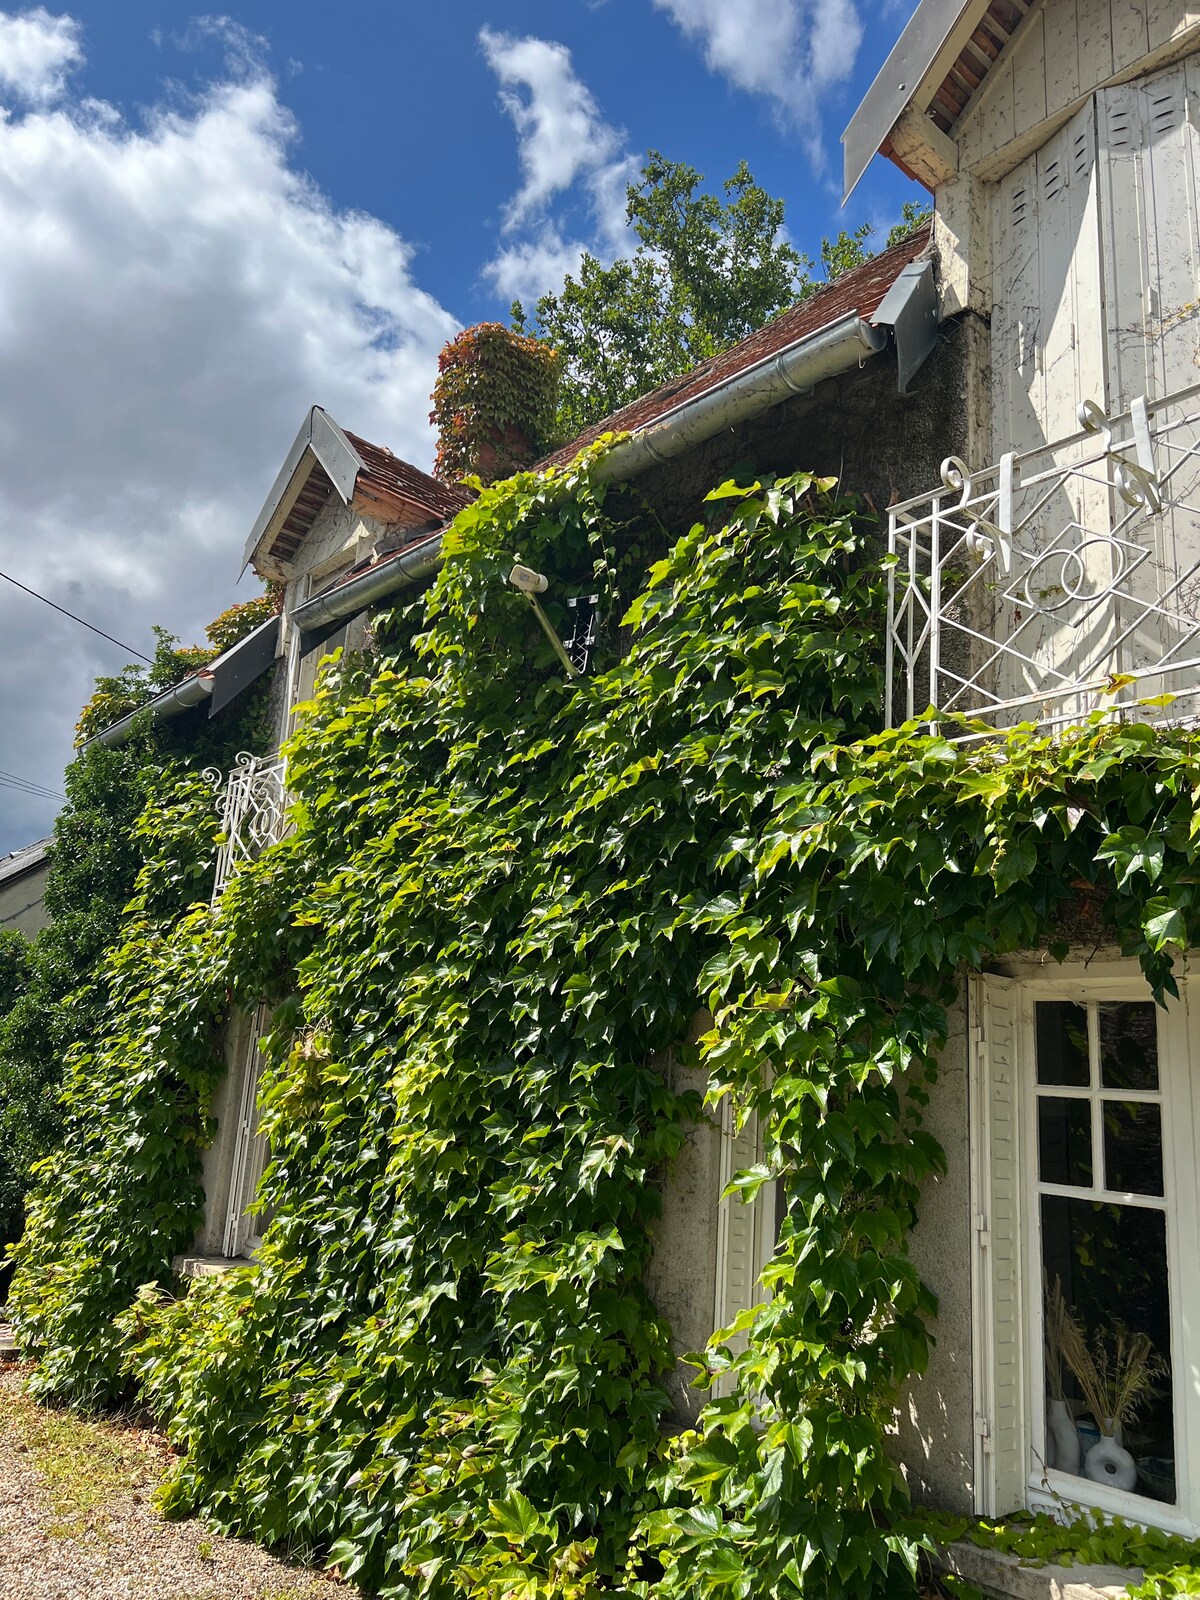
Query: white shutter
{"type": "Point", "coordinates": [1150, 168]}
{"type": "Point", "coordinates": [996, 1187]}
{"type": "Point", "coordinates": [1047, 325]}
{"type": "Point", "coordinates": [740, 1228]}
{"type": "Point", "coordinates": [1150, 171]}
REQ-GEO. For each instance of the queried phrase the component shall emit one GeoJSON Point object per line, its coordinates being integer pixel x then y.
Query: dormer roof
{"type": "Point", "coordinates": [938, 63]}
{"type": "Point", "coordinates": [325, 460]}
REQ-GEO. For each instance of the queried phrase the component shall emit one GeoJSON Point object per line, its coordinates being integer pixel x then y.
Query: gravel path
{"type": "Point", "coordinates": [76, 1520]}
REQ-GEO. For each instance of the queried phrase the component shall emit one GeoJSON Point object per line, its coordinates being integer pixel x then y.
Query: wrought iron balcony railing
{"type": "Point", "coordinates": [1056, 583]}
{"type": "Point", "coordinates": [253, 812]}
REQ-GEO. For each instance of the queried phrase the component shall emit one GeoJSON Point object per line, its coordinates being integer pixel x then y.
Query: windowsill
{"type": "Point", "coordinates": [1007, 1577]}
{"type": "Point", "coordinates": [207, 1266]}
{"type": "Point", "coordinates": [1067, 1498]}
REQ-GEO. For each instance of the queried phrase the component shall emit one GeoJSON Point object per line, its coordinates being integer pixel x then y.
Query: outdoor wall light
{"type": "Point", "coordinates": [531, 584]}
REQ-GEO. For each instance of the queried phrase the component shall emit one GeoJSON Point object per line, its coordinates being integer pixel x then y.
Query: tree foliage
{"type": "Point", "coordinates": [706, 272]}
{"type": "Point", "coordinates": [117, 694]}
{"type": "Point", "coordinates": [504, 901]}
{"type": "Point", "coordinates": [53, 992]}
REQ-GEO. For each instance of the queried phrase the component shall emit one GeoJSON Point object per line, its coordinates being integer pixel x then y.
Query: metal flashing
{"type": "Point", "coordinates": [244, 662]}
{"type": "Point", "coordinates": [910, 309]}
{"type": "Point", "coordinates": [320, 442]}
{"type": "Point", "coordinates": [220, 682]}
{"type": "Point", "coordinates": [913, 56]}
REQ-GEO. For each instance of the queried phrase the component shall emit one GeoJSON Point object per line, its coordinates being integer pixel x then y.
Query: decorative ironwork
{"type": "Point", "coordinates": [253, 813]}
{"type": "Point", "coordinates": [1055, 583]}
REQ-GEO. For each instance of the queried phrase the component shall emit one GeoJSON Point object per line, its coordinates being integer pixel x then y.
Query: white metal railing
{"type": "Point", "coordinates": [253, 811]}
{"type": "Point", "coordinates": [1057, 582]}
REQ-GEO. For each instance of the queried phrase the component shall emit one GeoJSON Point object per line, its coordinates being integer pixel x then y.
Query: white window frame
{"type": "Point", "coordinates": [241, 1237]}
{"type": "Point", "coordinates": [1045, 1488]}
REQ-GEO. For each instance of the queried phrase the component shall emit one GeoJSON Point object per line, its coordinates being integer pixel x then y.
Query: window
{"type": "Point", "coordinates": [243, 1227]}
{"type": "Point", "coordinates": [1085, 1193]}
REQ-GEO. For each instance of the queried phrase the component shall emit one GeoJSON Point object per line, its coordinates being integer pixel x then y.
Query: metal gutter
{"type": "Point", "coordinates": [161, 709]}
{"type": "Point", "coordinates": [797, 369]}
{"type": "Point", "coordinates": [221, 681]}
{"type": "Point", "coordinates": [794, 370]}
{"type": "Point", "coordinates": [403, 571]}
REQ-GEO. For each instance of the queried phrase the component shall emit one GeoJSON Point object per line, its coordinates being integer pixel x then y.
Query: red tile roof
{"type": "Point", "coordinates": [386, 475]}
{"type": "Point", "coordinates": [860, 290]}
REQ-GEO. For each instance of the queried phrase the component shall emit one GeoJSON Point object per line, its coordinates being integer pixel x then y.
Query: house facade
{"type": "Point", "coordinates": [1016, 392]}
{"type": "Point", "coordinates": [862, 381]}
{"type": "Point", "coordinates": [1049, 574]}
{"type": "Point", "coordinates": [23, 888]}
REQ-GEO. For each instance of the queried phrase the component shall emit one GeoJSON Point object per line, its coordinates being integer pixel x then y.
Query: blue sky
{"type": "Point", "coordinates": [398, 110]}
{"type": "Point", "coordinates": [211, 222]}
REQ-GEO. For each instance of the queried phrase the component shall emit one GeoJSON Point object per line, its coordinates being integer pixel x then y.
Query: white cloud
{"type": "Point", "coordinates": [790, 51]}
{"type": "Point", "coordinates": [36, 53]}
{"type": "Point", "coordinates": [567, 150]}
{"type": "Point", "coordinates": [173, 296]}
{"type": "Point", "coordinates": [528, 269]}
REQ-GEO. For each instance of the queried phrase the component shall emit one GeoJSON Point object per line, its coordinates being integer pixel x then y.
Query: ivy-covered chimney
{"type": "Point", "coordinates": [493, 403]}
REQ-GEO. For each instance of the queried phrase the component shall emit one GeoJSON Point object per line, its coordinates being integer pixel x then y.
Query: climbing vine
{"type": "Point", "coordinates": [493, 402]}
{"type": "Point", "coordinates": [508, 900]}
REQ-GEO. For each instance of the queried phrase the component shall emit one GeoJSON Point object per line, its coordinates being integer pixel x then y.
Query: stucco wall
{"type": "Point", "coordinates": [21, 904]}
{"type": "Point", "coordinates": [933, 1438]}
{"type": "Point", "coordinates": [682, 1276]}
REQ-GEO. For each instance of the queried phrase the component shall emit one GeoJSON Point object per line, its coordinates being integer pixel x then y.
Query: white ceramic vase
{"type": "Point", "coordinates": [1108, 1463]}
{"type": "Point", "coordinates": [1063, 1439]}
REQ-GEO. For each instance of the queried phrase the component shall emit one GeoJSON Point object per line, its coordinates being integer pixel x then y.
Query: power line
{"type": "Point", "coordinates": [27, 786]}
{"type": "Point", "coordinates": [53, 603]}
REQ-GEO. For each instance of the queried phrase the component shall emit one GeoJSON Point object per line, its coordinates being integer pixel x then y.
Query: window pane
{"type": "Point", "coordinates": [1133, 1153]}
{"type": "Point", "coordinates": [1108, 1319]}
{"type": "Point", "coordinates": [1062, 1044]}
{"type": "Point", "coordinates": [1064, 1140]}
{"type": "Point", "coordinates": [1129, 1045]}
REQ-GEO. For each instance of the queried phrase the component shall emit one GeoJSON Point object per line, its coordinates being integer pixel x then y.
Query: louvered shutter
{"type": "Point", "coordinates": [1150, 173]}
{"type": "Point", "coordinates": [1000, 1399]}
{"type": "Point", "coordinates": [1047, 324]}
{"type": "Point", "coordinates": [1150, 169]}
{"type": "Point", "coordinates": [739, 1229]}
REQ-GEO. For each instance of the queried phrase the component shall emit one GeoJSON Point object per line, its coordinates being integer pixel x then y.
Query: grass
{"type": "Point", "coordinates": [84, 1465]}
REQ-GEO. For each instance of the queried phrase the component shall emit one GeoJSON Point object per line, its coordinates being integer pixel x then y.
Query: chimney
{"type": "Point", "coordinates": [493, 403]}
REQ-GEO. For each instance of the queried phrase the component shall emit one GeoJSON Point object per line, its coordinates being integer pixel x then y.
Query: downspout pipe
{"type": "Point", "coordinates": [191, 692]}
{"type": "Point", "coordinates": [794, 370]}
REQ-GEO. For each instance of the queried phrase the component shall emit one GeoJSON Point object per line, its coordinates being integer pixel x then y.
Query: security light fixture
{"type": "Point", "coordinates": [531, 584]}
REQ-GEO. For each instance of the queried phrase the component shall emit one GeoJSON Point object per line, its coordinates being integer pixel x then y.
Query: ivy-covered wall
{"type": "Point", "coordinates": [505, 900]}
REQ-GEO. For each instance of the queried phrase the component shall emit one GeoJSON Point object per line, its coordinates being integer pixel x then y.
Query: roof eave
{"type": "Point", "coordinates": [923, 52]}
{"type": "Point", "coordinates": [320, 441]}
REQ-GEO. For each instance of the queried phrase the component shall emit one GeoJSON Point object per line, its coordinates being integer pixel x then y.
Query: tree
{"type": "Point", "coordinates": [706, 272]}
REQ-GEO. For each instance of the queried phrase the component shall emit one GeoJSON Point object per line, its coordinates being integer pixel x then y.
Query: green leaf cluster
{"type": "Point", "coordinates": [1170, 1565]}
{"type": "Point", "coordinates": [507, 902]}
